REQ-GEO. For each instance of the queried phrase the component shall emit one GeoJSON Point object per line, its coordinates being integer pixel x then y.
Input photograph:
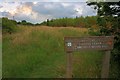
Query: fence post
{"type": "Point", "coordinates": [105, 65]}
{"type": "Point", "coordinates": [69, 65]}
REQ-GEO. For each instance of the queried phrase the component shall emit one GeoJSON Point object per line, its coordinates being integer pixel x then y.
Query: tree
{"type": "Point", "coordinates": [23, 22]}
{"type": "Point", "coordinates": [8, 26]}
{"type": "Point", "coordinates": [108, 20]}
{"type": "Point", "coordinates": [47, 22]}
{"type": "Point", "coordinates": [75, 22]}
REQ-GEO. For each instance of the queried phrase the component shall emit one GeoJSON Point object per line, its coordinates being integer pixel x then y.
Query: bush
{"type": "Point", "coordinates": [8, 26]}
{"type": "Point", "coordinates": [94, 32]}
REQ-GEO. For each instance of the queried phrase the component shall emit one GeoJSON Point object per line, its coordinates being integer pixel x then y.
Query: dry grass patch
{"type": "Point", "coordinates": [23, 36]}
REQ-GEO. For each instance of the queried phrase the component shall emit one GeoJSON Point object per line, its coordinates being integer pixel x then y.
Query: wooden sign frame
{"type": "Point", "coordinates": [104, 43]}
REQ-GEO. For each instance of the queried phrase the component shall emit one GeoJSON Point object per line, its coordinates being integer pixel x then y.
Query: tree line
{"type": "Point", "coordinates": [74, 22]}
{"type": "Point", "coordinates": [10, 26]}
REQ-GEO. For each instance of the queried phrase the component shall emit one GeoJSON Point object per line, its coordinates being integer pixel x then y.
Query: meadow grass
{"type": "Point", "coordinates": [38, 52]}
{"type": "Point", "coordinates": [0, 53]}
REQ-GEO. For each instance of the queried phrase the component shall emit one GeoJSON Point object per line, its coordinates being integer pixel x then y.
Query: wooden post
{"type": "Point", "coordinates": [69, 65]}
{"type": "Point", "coordinates": [105, 65]}
{"type": "Point", "coordinates": [104, 43]}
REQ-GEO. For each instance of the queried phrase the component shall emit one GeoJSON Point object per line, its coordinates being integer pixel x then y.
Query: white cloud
{"type": "Point", "coordinates": [45, 0]}
{"type": "Point", "coordinates": [39, 11]}
{"type": "Point", "coordinates": [35, 2]}
{"type": "Point", "coordinates": [25, 10]}
{"type": "Point", "coordinates": [49, 6]}
{"type": "Point", "coordinates": [78, 9]}
{"type": "Point", "coordinates": [8, 6]}
{"type": "Point", "coordinates": [66, 4]}
{"type": "Point", "coordinates": [30, 15]}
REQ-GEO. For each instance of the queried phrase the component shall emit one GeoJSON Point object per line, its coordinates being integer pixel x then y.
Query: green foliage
{"type": "Point", "coordinates": [24, 22]}
{"type": "Point", "coordinates": [9, 26]}
{"type": "Point", "coordinates": [94, 32]}
{"type": "Point", "coordinates": [74, 22]}
{"type": "Point", "coordinates": [108, 20]}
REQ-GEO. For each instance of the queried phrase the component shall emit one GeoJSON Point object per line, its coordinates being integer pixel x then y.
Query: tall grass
{"type": "Point", "coordinates": [0, 52]}
{"type": "Point", "coordinates": [38, 52]}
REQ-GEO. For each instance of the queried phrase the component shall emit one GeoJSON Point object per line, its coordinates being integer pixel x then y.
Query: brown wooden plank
{"type": "Point", "coordinates": [69, 65]}
{"type": "Point", "coordinates": [105, 65]}
{"type": "Point", "coordinates": [88, 43]}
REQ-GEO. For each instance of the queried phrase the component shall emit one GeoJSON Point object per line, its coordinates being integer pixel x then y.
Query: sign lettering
{"type": "Point", "coordinates": [88, 43]}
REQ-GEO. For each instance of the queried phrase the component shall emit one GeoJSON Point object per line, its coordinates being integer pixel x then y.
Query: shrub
{"type": "Point", "coordinates": [8, 26]}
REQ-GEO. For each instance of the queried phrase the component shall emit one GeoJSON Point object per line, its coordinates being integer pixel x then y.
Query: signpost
{"type": "Point", "coordinates": [104, 43]}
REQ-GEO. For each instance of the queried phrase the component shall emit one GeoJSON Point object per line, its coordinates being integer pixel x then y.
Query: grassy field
{"type": "Point", "coordinates": [0, 53]}
{"type": "Point", "coordinates": [38, 52]}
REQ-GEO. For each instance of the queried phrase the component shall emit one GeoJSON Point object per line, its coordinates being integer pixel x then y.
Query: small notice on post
{"type": "Point", "coordinates": [88, 43]}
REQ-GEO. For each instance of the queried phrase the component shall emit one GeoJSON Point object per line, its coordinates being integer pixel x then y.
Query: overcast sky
{"type": "Point", "coordinates": [39, 11]}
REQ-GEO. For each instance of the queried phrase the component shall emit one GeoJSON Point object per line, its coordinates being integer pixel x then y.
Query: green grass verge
{"type": "Point", "coordinates": [38, 52]}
